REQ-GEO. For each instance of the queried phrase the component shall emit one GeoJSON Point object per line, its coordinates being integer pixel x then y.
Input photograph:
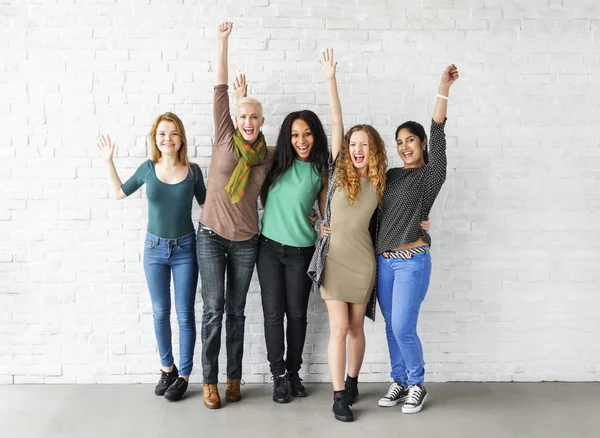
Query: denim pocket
{"type": "Point", "coordinates": [149, 243]}
{"type": "Point", "coordinates": [205, 231]}
{"type": "Point", "coordinates": [188, 246]}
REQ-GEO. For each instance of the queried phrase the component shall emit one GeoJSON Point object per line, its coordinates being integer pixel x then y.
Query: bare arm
{"type": "Point", "coordinates": [328, 65]}
{"type": "Point", "coordinates": [223, 32]}
{"type": "Point", "coordinates": [449, 76]}
{"type": "Point", "coordinates": [323, 196]}
{"type": "Point", "coordinates": [107, 149]}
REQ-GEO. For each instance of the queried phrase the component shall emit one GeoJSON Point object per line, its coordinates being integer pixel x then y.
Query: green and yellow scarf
{"type": "Point", "coordinates": [248, 156]}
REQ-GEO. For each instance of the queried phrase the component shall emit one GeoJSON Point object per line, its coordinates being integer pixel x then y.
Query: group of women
{"type": "Point", "coordinates": [373, 241]}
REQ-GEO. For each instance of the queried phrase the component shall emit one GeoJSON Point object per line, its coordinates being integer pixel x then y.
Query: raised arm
{"type": "Point", "coordinates": [441, 106]}
{"type": "Point", "coordinates": [107, 149]}
{"type": "Point", "coordinates": [223, 32]}
{"type": "Point", "coordinates": [328, 66]}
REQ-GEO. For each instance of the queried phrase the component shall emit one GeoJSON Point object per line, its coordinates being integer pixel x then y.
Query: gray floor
{"type": "Point", "coordinates": [488, 410]}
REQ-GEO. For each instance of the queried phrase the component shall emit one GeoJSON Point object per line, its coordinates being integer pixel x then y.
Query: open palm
{"type": "Point", "coordinates": [107, 148]}
{"type": "Point", "coordinates": [328, 65]}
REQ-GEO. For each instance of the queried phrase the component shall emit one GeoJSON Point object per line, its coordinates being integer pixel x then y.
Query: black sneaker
{"type": "Point", "coordinates": [166, 380]}
{"type": "Point", "coordinates": [297, 389]}
{"type": "Point", "coordinates": [177, 389]}
{"type": "Point", "coordinates": [396, 394]}
{"type": "Point", "coordinates": [417, 395]}
{"type": "Point", "coordinates": [341, 410]}
{"type": "Point", "coordinates": [351, 387]}
{"type": "Point", "coordinates": [281, 390]}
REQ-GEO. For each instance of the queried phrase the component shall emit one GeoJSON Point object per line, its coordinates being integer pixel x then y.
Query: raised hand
{"type": "Point", "coordinates": [449, 76]}
{"type": "Point", "coordinates": [328, 65]}
{"type": "Point", "coordinates": [240, 87]}
{"type": "Point", "coordinates": [224, 30]}
{"type": "Point", "coordinates": [107, 148]}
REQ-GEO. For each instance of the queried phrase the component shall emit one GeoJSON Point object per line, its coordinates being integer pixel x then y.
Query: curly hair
{"type": "Point", "coordinates": [347, 176]}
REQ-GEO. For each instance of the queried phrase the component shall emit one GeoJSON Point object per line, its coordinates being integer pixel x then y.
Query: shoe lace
{"type": "Point", "coordinates": [414, 395]}
{"type": "Point", "coordinates": [210, 388]}
{"type": "Point", "coordinates": [164, 377]}
{"type": "Point", "coordinates": [343, 402]}
{"type": "Point", "coordinates": [179, 383]}
{"type": "Point", "coordinates": [394, 391]}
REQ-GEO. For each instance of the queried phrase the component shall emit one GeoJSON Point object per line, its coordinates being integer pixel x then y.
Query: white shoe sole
{"type": "Point", "coordinates": [407, 410]}
{"type": "Point", "coordinates": [389, 403]}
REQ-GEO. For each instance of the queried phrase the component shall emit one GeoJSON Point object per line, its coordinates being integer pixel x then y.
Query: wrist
{"type": "Point", "coordinates": [444, 90]}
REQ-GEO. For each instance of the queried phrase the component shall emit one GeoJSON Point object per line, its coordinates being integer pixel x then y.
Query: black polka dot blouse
{"type": "Point", "coordinates": [409, 195]}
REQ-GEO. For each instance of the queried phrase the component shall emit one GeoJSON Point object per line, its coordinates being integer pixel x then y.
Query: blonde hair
{"type": "Point", "coordinates": [252, 101]}
{"type": "Point", "coordinates": [155, 153]}
{"type": "Point", "coordinates": [348, 177]}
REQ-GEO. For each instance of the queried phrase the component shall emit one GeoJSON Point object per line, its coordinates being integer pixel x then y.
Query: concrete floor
{"type": "Point", "coordinates": [487, 410]}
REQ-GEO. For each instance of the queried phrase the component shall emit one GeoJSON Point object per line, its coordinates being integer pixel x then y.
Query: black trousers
{"type": "Point", "coordinates": [285, 289]}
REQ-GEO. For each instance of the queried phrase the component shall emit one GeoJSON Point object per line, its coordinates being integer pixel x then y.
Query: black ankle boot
{"type": "Point", "coordinates": [351, 389]}
{"type": "Point", "coordinates": [296, 387]}
{"type": "Point", "coordinates": [341, 410]}
{"type": "Point", "coordinates": [281, 390]}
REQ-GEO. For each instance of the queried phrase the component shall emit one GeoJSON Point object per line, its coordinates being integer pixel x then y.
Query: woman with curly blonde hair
{"type": "Point", "coordinates": [344, 262]}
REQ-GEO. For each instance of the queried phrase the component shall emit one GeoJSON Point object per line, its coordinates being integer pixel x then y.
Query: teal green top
{"type": "Point", "coordinates": [289, 201]}
{"type": "Point", "coordinates": [169, 205]}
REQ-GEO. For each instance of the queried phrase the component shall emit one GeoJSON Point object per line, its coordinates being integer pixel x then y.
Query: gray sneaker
{"type": "Point", "coordinates": [396, 394]}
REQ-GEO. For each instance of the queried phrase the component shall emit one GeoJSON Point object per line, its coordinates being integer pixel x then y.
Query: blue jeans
{"type": "Point", "coordinates": [161, 258]}
{"type": "Point", "coordinates": [216, 256]}
{"type": "Point", "coordinates": [401, 287]}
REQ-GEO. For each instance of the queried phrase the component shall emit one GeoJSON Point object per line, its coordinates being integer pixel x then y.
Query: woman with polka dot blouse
{"type": "Point", "coordinates": [402, 247]}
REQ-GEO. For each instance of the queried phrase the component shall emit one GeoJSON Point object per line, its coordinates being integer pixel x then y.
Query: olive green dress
{"type": "Point", "coordinates": [349, 272]}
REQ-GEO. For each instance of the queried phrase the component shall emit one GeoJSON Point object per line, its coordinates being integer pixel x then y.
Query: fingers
{"type": "Point", "coordinates": [327, 57]}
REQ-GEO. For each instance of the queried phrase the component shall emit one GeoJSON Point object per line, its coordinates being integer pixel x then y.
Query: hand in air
{"type": "Point", "coordinates": [328, 65]}
{"type": "Point", "coordinates": [107, 148]}
{"type": "Point", "coordinates": [449, 76]}
{"type": "Point", "coordinates": [224, 30]}
{"type": "Point", "coordinates": [240, 87]}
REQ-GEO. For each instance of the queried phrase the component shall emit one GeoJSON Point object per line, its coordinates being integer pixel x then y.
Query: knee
{"type": "Point", "coordinates": [161, 314]}
{"type": "Point", "coordinates": [338, 331]}
{"type": "Point", "coordinates": [273, 317]}
{"type": "Point", "coordinates": [297, 318]}
{"type": "Point", "coordinates": [186, 318]}
{"type": "Point", "coordinates": [403, 332]}
{"type": "Point", "coordinates": [356, 330]}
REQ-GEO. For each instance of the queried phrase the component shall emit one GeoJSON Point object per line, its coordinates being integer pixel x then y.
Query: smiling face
{"type": "Point", "coordinates": [359, 151]}
{"type": "Point", "coordinates": [302, 139]}
{"type": "Point", "coordinates": [249, 121]}
{"type": "Point", "coordinates": [168, 138]}
{"type": "Point", "coordinates": [410, 149]}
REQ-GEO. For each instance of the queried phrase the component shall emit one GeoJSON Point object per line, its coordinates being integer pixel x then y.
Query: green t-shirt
{"type": "Point", "coordinates": [169, 205]}
{"type": "Point", "coordinates": [289, 201]}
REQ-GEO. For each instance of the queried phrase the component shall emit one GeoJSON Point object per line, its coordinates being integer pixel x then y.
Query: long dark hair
{"type": "Point", "coordinates": [415, 129]}
{"type": "Point", "coordinates": [285, 154]}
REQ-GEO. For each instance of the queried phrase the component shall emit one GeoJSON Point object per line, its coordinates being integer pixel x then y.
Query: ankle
{"type": "Point", "coordinates": [339, 394]}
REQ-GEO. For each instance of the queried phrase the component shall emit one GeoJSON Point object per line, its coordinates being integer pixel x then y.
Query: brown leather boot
{"type": "Point", "coordinates": [232, 393]}
{"type": "Point", "coordinates": [212, 400]}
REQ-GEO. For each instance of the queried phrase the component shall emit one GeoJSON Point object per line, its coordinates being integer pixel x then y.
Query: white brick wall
{"type": "Point", "coordinates": [516, 228]}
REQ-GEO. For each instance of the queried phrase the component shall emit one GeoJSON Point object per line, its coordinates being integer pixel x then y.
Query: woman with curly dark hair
{"type": "Point", "coordinates": [287, 243]}
{"type": "Point", "coordinates": [344, 262]}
